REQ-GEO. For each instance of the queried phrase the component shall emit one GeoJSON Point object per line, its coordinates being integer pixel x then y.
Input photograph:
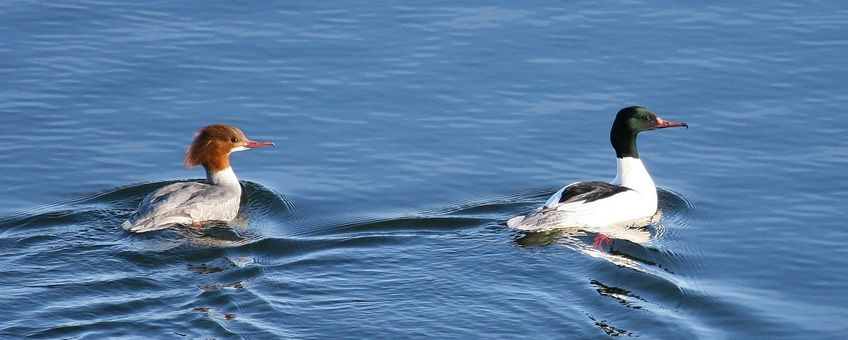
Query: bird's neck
{"type": "Point", "coordinates": [225, 177]}
{"type": "Point", "coordinates": [623, 140]}
{"type": "Point", "coordinates": [631, 173]}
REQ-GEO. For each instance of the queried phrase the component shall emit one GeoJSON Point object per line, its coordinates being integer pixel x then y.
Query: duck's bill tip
{"type": "Point", "coordinates": [252, 144]}
{"type": "Point", "coordinates": [661, 124]}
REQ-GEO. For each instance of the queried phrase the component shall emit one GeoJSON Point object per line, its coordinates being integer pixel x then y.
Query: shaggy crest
{"type": "Point", "coordinates": [212, 146]}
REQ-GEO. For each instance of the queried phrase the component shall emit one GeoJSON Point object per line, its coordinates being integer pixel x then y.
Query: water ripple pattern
{"type": "Point", "coordinates": [407, 135]}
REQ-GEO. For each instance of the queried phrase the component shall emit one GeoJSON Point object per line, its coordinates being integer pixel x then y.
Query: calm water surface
{"type": "Point", "coordinates": [407, 135]}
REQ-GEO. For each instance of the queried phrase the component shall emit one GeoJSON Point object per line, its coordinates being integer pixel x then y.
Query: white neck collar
{"type": "Point", "coordinates": [224, 177]}
{"type": "Point", "coordinates": [631, 173]}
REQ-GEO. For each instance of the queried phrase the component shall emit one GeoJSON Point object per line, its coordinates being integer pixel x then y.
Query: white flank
{"type": "Point", "coordinates": [632, 207]}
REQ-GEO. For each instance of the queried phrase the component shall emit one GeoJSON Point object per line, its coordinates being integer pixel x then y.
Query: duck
{"type": "Point", "coordinates": [194, 203]}
{"type": "Point", "coordinates": [628, 200]}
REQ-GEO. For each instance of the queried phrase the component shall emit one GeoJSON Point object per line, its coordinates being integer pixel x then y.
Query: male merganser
{"type": "Point", "coordinates": [192, 203]}
{"type": "Point", "coordinates": [631, 198]}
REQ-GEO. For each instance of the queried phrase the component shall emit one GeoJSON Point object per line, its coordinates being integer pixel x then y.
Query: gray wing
{"type": "Point", "coordinates": [183, 203]}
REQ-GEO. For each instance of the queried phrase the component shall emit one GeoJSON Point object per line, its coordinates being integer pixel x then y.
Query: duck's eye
{"type": "Point", "coordinates": [234, 140]}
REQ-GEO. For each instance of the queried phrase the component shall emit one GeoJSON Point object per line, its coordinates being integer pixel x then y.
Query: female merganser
{"type": "Point", "coordinates": [192, 203]}
{"type": "Point", "coordinates": [631, 197]}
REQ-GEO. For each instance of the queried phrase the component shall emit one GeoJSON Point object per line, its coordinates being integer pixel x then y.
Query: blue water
{"type": "Point", "coordinates": [407, 135]}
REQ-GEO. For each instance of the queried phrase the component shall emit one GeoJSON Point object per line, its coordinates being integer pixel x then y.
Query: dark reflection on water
{"type": "Point", "coordinates": [634, 247]}
{"type": "Point", "coordinates": [214, 258]}
{"type": "Point", "coordinates": [610, 330]}
{"type": "Point", "coordinates": [407, 136]}
{"type": "Point", "coordinates": [228, 260]}
{"type": "Point", "coordinates": [622, 296]}
{"type": "Point", "coordinates": [674, 211]}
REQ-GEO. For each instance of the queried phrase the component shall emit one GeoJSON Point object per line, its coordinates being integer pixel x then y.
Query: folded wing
{"type": "Point", "coordinates": [183, 203]}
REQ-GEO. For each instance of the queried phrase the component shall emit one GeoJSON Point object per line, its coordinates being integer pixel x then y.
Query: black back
{"type": "Point", "coordinates": [590, 191]}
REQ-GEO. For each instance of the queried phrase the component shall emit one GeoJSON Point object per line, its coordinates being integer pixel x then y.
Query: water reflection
{"type": "Point", "coordinates": [673, 208]}
{"type": "Point", "coordinates": [620, 295]}
{"type": "Point", "coordinates": [631, 246]}
{"type": "Point", "coordinates": [629, 233]}
{"type": "Point", "coordinates": [610, 329]}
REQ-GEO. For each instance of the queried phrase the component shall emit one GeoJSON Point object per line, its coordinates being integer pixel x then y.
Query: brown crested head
{"type": "Point", "coordinates": [212, 146]}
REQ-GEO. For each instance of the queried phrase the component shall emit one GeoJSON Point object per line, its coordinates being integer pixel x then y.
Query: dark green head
{"type": "Point", "coordinates": [628, 123]}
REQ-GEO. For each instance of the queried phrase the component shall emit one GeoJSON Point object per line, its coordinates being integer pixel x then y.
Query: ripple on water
{"type": "Point", "coordinates": [131, 274]}
{"type": "Point", "coordinates": [211, 273]}
{"type": "Point", "coordinates": [214, 271]}
{"type": "Point", "coordinates": [640, 252]}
